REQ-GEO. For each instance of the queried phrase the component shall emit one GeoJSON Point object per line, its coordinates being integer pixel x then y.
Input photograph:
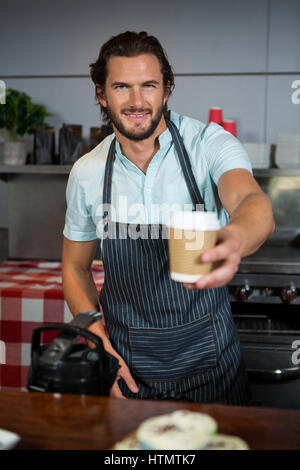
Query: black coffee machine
{"type": "Point", "coordinates": [66, 366]}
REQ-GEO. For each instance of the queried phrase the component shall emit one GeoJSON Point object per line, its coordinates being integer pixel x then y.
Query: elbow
{"type": "Point", "coordinates": [273, 227]}
{"type": "Point", "coordinates": [272, 224]}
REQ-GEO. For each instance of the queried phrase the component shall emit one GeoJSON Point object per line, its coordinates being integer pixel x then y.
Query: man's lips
{"type": "Point", "coordinates": [136, 116]}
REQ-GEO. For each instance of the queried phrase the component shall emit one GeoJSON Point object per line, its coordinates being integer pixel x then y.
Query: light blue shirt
{"type": "Point", "coordinates": [144, 198]}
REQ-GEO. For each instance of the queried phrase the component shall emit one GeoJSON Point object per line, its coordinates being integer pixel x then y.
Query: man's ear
{"type": "Point", "coordinates": [100, 93]}
{"type": "Point", "coordinates": [166, 93]}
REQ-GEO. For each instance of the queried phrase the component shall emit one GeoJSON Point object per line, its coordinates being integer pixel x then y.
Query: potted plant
{"type": "Point", "coordinates": [18, 118]}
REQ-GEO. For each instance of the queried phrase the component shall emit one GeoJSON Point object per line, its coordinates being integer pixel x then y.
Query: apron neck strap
{"type": "Point", "coordinates": [186, 166]}
{"type": "Point", "coordinates": [183, 160]}
{"type": "Point", "coordinates": [108, 173]}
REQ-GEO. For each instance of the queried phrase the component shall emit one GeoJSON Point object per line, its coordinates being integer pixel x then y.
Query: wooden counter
{"type": "Point", "coordinates": [50, 421]}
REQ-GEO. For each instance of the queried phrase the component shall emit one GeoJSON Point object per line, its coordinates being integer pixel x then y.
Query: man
{"type": "Point", "coordinates": [172, 340]}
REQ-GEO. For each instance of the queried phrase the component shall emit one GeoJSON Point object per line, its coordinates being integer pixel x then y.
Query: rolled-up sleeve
{"type": "Point", "coordinates": [224, 152]}
{"type": "Point", "coordinates": [79, 225]}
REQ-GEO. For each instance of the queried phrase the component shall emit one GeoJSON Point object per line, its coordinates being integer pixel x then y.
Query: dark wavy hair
{"type": "Point", "coordinates": [130, 44]}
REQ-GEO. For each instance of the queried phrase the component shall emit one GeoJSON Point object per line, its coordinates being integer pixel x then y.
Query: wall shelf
{"type": "Point", "coordinates": [7, 171]}
{"type": "Point", "coordinates": [278, 172]}
{"type": "Point", "coordinates": [65, 170]}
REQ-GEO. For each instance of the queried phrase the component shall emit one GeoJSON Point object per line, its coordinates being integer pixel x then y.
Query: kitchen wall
{"type": "Point", "coordinates": [240, 55]}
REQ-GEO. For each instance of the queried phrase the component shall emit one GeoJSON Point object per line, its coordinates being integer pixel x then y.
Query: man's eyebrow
{"type": "Point", "coordinates": [148, 82]}
{"type": "Point", "coordinates": [119, 83]}
{"type": "Point", "coordinates": [153, 82]}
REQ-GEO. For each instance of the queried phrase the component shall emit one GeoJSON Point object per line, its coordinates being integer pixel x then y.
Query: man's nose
{"type": "Point", "coordinates": [136, 97]}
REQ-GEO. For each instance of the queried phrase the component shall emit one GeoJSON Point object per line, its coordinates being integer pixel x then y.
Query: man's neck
{"type": "Point", "coordinates": [141, 152]}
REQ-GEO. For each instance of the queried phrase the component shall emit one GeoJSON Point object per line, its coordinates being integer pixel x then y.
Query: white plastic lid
{"type": "Point", "coordinates": [196, 220]}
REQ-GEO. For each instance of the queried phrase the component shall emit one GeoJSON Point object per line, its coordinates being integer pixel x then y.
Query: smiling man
{"type": "Point", "coordinates": [134, 98]}
{"type": "Point", "coordinates": [172, 340]}
{"type": "Point", "coordinates": [134, 122]}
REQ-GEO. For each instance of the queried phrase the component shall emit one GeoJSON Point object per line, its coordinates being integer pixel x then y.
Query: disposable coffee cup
{"type": "Point", "coordinates": [189, 235]}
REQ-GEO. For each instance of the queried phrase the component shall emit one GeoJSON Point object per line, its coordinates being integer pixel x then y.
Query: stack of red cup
{"type": "Point", "coordinates": [216, 115]}
{"type": "Point", "coordinates": [230, 126]}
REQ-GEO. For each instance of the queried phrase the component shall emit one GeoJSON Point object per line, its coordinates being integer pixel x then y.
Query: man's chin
{"type": "Point", "coordinates": [136, 134]}
{"type": "Point", "coordinates": [136, 131]}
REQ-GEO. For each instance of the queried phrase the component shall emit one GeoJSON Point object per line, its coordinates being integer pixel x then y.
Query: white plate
{"type": "Point", "coordinates": [259, 154]}
{"type": "Point", "coordinates": [8, 439]}
{"type": "Point", "coordinates": [288, 151]}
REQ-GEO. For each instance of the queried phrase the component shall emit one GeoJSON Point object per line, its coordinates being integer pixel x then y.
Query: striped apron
{"type": "Point", "coordinates": [179, 344]}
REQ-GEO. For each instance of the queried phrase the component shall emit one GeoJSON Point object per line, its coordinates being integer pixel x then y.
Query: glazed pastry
{"type": "Point", "coordinates": [129, 443]}
{"type": "Point", "coordinates": [182, 429]}
{"type": "Point", "coordinates": [224, 442]}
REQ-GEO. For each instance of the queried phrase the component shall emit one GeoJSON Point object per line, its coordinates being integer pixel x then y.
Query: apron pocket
{"type": "Point", "coordinates": [172, 353]}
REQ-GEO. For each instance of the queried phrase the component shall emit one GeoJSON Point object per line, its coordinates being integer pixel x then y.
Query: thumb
{"type": "Point", "coordinates": [128, 379]}
{"type": "Point", "coordinates": [123, 371]}
{"type": "Point", "coordinates": [115, 391]}
{"type": "Point", "coordinates": [131, 384]}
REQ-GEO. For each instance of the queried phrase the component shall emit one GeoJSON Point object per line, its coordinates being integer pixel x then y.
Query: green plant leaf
{"type": "Point", "coordinates": [19, 115]}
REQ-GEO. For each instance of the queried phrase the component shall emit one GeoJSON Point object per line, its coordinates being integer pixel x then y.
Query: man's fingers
{"type": "Point", "coordinates": [218, 277]}
{"type": "Point", "coordinates": [219, 252]}
{"type": "Point", "coordinates": [127, 377]}
{"type": "Point", "coordinates": [115, 391]}
{"type": "Point", "coordinates": [226, 246]}
{"type": "Point", "coordinates": [132, 385]}
{"type": "Point", "coordinates": [124, 372]}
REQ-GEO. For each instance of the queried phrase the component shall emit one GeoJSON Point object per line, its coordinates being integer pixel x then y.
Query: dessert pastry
{"type": "Point", "coordinates": [129, 443]}
{"type": "Point", "coordinates": [224, 442]}
{"type": "Point", "coordinates": [181, 429]}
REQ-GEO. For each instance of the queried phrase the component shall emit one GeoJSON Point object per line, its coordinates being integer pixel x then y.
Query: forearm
{"type": "Point", "coordinates": [79, 290]}
{"type": "Point", "coordinates": [251, 223]}
{"type": "Point", "coordinates": [81, 295]}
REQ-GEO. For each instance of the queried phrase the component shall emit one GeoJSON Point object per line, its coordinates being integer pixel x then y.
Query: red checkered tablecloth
{"type": "Point", "coordinates": [31, 295]}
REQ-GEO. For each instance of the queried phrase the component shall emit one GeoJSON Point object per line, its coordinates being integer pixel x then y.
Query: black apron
{"type": "Point", "coordinates": [179, 344]}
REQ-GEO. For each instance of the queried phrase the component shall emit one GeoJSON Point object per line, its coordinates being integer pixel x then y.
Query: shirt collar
{"type": "Point", "coordinates": [164, 138]}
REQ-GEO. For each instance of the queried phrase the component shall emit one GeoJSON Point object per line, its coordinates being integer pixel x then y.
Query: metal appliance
{"type": "Point", "coordinates": [265, 299]}
{"type": "Point", "coordinates": [67, 366]}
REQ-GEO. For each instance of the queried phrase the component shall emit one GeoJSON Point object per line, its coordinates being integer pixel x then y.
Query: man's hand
{"type": "Point", "coordinates": [226, 257]}
{"type": "Point", "coordinates": [123, 371]}
{"type": "Point", "coordinates": [125, 374]}
{"type": "Point", "coordinates": [250, 223]}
